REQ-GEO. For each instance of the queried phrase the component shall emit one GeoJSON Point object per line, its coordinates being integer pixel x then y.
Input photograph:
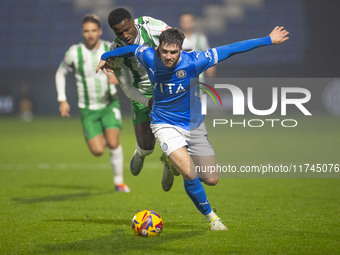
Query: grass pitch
{"type": "Point", "coordinates": [56, 198]}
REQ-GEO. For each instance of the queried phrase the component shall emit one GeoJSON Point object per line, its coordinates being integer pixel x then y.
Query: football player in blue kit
{"type": "Point", "coordinates": [179, 130]}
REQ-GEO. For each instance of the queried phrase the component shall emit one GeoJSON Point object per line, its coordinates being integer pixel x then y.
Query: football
{"type": "Point", "coordinates": [147, 223]}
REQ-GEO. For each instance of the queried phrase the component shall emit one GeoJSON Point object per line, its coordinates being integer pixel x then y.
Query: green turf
{"type": "Point", "coordinates": [55, 198]}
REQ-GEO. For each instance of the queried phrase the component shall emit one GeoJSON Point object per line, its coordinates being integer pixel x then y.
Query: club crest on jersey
{"type": "Point", "coordinates": [181, 74]}
{"type": "Point", "coordinates": [164, 147]}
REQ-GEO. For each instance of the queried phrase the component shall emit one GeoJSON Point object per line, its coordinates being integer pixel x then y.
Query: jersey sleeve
{"type": "Point", "coordinates": [205, 59]}
{"type": "Point", "coordinates": [156, 26]}
{"type": "Point", "coordinates": [226, 51]}
{"type": "Point", "coordinates": [127, 51]}
{"type": "Point", "coordinates": [68, 61]}
{"type": "Point", "coordinates": [67, 65]}
{"type": "Point", "coordinates": [143, 54]}
{"type": "Point", "coordinates": [208, 58]}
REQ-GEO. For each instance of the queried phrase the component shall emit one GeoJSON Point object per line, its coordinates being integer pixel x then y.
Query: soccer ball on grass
{"type": "Point", "coordinates": [147, 223]}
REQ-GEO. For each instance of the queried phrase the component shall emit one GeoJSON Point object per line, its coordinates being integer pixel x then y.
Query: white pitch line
{"type": "Point", "coordinates": [65, 166]}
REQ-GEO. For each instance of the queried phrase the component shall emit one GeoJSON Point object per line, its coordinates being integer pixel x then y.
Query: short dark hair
{"type": "Point", "coordinates": [172, 36]}
{"type": "Point", "coordinates": [91, 17]}
{"type": "Point", "coordinates": [118, 15]}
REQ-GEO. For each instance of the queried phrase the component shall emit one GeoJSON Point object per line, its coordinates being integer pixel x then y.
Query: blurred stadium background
{"type": "Point", "coordinates": [36, 33]}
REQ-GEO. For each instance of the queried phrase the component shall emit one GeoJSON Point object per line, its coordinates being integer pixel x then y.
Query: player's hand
{"type": "Point", "coordinates": [64, 109]}
{"type": "Point", "coordinates": [104, 67]}
{"type": "Point", "coordinates": [150, 102]}
{"type": "Point", "coordinates": [113, 80]}
{"type": "Point", "coordinates": [279, 35]}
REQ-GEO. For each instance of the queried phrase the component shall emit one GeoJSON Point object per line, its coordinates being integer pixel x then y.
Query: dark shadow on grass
{"type": "Point", "coordinates": [123, 241]}
{"type": "Point", "coordinates": [95, 221]}
{"type": "Point", "coordinates": [72, 187]}
{"type": "Point", "coordinates": [120, 241]}
{"type": "Point", "coordinates": [169, 225]}
{"type": "Point", "coordinates": [58, 198]}
{"type": "Point", "coordinates": [182, 225]}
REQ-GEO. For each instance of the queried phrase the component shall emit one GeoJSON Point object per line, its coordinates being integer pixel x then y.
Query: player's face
{"type": "Point", "coordinates": [126, 31]}
{"type": "Point", "coordinates": [169, 54]}
{"type": "Point", "coordinates": [187, 23]}
{"type": "Point", "coordinates": [91, 33]}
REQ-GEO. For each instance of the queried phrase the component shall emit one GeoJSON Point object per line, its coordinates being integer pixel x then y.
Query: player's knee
{"type": "Point", "coordinates": [97, 151]}
{"type": "Point", "coordinates": [147, 146]}
{"type": "Point", "coordinates": [211, 181]}
{"type": "Point", "coordinates": [113, 144]}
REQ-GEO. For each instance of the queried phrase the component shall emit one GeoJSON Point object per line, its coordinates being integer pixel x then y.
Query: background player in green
{"type": "Point", "coordinates": [97, 96]}
{"type": "Point", "coordinates": [135, 82]}
{"type": "Point", "coordinates": [199, 40]}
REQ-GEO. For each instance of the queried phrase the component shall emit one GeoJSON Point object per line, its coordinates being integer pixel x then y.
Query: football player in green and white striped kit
{"type": "Point", "coordinates": [200, 41]}
{"type": "Point", "coordinates": [97, 96]}
{"type": "Point", "coordinates": [135, 82]}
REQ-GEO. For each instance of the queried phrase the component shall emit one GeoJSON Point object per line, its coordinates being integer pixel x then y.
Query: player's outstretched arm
{"type": "Point", "coordinates": [279, 35]}
{"type": "Point", "coordinates": [129, 90]}
{"type": "Point", "coordinates": [127, 51]}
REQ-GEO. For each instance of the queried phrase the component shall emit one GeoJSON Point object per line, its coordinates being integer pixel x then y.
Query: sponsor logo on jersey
{"type": "Point", "coordinates": [181, 74]}
{"type": "Point", "coordinates": [171, 87]}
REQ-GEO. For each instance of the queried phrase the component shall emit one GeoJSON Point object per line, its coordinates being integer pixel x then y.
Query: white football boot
{"type": "Point", "coordinates": [216, 224]}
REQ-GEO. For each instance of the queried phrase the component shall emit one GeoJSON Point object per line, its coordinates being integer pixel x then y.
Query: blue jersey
{"type": "Point", "coordinates": [174, 97]}
{"type": "Point", "coordinates": [172, 87]}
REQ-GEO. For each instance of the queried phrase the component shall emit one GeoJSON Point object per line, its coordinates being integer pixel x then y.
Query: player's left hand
{"type": "Point", "coordinates": [279, 35]}
{"type": "Point", "coordinates": [102, 66]}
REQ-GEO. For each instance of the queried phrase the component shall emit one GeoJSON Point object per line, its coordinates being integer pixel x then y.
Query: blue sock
{"type": "Point", "coordinates": [196, 192]}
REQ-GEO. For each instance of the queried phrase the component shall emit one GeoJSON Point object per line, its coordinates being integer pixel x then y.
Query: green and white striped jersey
{"type": "Point", "coordinates": [94, 91]}
{"type": "Point", "coordinates": [199, 41]}
{"type": "Point", "coordinates": [129, 71]}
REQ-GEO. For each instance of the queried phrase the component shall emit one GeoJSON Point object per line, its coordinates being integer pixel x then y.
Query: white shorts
{"type": "Point", "coordinates": [171, 138]}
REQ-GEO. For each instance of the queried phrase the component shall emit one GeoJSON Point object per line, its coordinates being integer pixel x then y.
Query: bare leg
{"type": "Point", "coordinates": [97, 145]}
{"type": "Point", "coordinates": [206, 163]}
{"type": "Point", "coordinates": [112, 138]}
{"type": "Point", "coordinates": [144, 136]}
{"type": "Point", "coordinates": [180, 158]}
{"type": "Point", "coordinates": [144, 146]}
